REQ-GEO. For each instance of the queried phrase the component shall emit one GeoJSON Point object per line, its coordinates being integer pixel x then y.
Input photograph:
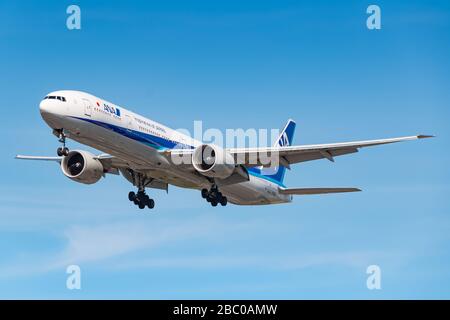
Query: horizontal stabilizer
{"type": "Point", "coordinates": [305, 191]}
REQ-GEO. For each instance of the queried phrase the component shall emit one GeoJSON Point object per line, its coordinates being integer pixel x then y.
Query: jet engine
{"type": "Point", "coordinates": [81, 166]}
{"type": "Point", "coordinates": [213, 161]}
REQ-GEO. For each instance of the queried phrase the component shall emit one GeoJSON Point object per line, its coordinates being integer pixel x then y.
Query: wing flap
{"type": "Point", "coordinates": [316, 155]}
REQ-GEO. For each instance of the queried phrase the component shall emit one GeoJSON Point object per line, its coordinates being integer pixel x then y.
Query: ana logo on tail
{"type": "Point", "coordinates": [284, 141]}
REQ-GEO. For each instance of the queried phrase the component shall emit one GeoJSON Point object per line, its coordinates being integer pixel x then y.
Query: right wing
{"type": "Point", "coordinates": [111, 165]}
{"type": "Point", "coordinates": [21, 157]}
{"type": "Point", "coordinates": [107, 160]}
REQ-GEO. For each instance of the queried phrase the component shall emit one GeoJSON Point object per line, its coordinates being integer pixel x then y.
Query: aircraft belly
{"type": "Point", "coordinates": [253, 192]}
{"type": "Point", "coordinates": [139, 156]}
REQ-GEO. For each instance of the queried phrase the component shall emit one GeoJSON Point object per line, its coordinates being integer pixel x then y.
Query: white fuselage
{"type": "Point", "coordinates": [139, 141]}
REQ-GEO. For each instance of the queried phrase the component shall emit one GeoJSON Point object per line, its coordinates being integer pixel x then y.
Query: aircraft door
{"type": "Point", "coordinates": [87, 107]}
{"type": "Point", "coordinates": [129, 122]}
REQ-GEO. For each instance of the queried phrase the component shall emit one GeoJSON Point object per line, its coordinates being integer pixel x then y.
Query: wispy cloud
{"type": "Point", "coordinates": [90, 244]}
{"type": "Point", "coordinates": [109, 242]}
{"type": "Point", "coordinates": [279, 261]}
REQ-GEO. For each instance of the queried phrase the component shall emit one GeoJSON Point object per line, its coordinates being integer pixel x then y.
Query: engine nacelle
{"type": "Point", "coordinates": [81, 166]}
{"type": "Point", "coordinates": [213, 161]}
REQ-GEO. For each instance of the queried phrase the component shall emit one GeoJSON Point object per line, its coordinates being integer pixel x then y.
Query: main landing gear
{"type": "Point", "coordinates": [61, 151]}
{"type": "Point", "coordinates": [214, 196]}
{"type": "Point", "coordinates": [141, 199]}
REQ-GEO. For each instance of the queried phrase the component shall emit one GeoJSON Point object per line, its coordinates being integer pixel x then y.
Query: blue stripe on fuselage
{"type": "Point", "coordinates": [257, 173]}
{"type": "Point", "coordinates": [148, 139]}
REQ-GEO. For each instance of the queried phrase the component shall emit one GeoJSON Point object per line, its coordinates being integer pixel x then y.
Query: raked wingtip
{"type": "Point", "coordinates": [425, 136]}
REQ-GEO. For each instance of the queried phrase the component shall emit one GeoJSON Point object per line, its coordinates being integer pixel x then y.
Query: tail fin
{"type": "Point", "coordinates": [284, 140]}
{"type": "Point", "coordinates": [286, 136]}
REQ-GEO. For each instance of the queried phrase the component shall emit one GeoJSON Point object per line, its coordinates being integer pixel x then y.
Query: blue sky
{"type": "Point", "coordinates": [233, 64]}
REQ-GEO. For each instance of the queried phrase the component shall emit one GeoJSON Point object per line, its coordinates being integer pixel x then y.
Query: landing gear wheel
{"type": "Point", "coordinates": [62, 151]}
{"type": "Point", "coordinates": [141, 199]}
{"type": "Point", "coordinates": [214, 196]}
{"type": "Point", "coordinates": [131, 196]}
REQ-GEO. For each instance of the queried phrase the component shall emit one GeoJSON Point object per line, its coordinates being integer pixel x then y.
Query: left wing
{"type": "Point", "coordinates": [295, 154]}
{"type": "Point", "coordinates": [252, 157]}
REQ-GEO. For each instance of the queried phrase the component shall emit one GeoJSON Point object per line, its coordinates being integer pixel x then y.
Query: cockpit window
{"type": "Point", "coordinates": [60, 98]}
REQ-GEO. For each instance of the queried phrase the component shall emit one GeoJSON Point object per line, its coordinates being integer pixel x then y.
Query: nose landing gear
{"type": "Point", "coordinates": [214, 196]}
{"type": "Point", "coordinates": [61, 151]}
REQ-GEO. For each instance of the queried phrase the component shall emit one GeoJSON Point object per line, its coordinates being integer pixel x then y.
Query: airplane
{"type": "Point", "coordinates": [142, 151]}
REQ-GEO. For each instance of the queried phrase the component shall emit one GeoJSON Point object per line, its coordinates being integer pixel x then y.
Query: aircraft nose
{"type": "Point", "coordinates": [44, 106]}
{"type": "Point", "coordinates": [50, 106]}
{"type": "Point", "coordinates": [50, 110]}
{"type": "Point", "coordinates": [53, 108]}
